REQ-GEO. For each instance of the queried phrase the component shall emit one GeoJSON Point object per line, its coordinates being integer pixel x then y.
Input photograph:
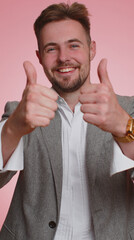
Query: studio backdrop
{"type": "Point", "coordinates": [112, 27]}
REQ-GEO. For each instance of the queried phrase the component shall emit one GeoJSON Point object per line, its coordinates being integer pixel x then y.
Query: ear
{"type": "Point", "coordinates": [92, 50]}
{"type": "Point", "coordinates": [38, 56]}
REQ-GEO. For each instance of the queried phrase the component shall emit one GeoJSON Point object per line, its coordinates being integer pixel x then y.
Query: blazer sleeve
{"type": "Point", "coordinates": [127, 103]}
{"type": "Point", "coordinates": [9, 109]}
{"type": "Point", "coordinates": [6, 176]}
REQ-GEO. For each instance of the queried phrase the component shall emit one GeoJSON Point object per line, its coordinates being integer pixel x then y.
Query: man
{"type": "Point", "coordinates": [67, 141]}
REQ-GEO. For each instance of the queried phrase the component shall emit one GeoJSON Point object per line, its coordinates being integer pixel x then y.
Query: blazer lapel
{"type": "Point", "coordinates": [94, 148]}
{"type": "Point", "coordinates": [52, 136]}
{"type": "Point", "coordinates": [98, 157]}
{"type": "Point", "coordinates": [106, 193]}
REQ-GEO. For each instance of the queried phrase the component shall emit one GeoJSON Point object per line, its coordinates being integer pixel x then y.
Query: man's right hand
{"type": "Point", "coordinates": [37, 108]}
{"type": "Point", "coordinates": [38, 104]}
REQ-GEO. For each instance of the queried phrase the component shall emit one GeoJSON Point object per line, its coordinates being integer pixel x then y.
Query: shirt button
{"type": "Point", "coordinates": [52, 224]}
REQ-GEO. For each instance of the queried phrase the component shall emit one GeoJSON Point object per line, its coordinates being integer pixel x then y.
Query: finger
{"type": "Point", "coordinates": [50, 93]}
{"type": "Point", "coordinates": [89, 89]}
{"type": "Point", "coordinates": [30, 72]}
{"type": "Point", "coordinates": [48, 103]}
{"type": "Point", "coordinates": [93, 98]}
{"type": "Point", "coordinates": [94, 88]}
{"type": "Point", "coordinates": [88, 98]}
{"type": "Point", "coordinates": [39, 90]}
{"type": "Point", "coordinates": [39, 111]}
{"type": "Point", "coordinates": [39, 122]}
{"type": "Point", "coordinates": [43, 101]}
{"type": "Point", "coordinates": [102, 73]}
{"type": "Point", "coordinates": [91, 118]}
{"type": "Point", "coordinates": [90, 108]}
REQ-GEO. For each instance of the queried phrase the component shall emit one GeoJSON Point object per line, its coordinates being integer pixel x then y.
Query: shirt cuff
{"type": "Point", "coordinates": [120, 162]}
{"type": "Point", "coordinates": [16, 161]}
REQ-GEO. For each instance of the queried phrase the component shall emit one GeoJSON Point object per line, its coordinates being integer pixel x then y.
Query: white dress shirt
{"type": "Point", "coordinates": [75, 221]}
{"type": "Point", "coordinates": [75, 217]}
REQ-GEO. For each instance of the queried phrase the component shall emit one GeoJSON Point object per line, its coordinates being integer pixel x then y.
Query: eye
{"type": "Point", "coordinates": [75, 46]}
{"type": "Point", "coordinates": [50, 49]}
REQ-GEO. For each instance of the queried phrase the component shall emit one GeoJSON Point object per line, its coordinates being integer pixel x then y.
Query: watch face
{"type": "Point", "coordinates": [129, 133]}
{"type": "Point", "coordinates": [131, 128]}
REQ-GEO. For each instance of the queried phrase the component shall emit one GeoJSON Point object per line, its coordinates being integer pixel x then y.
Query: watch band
{"type": "Point", "coordinates": [129, 132]}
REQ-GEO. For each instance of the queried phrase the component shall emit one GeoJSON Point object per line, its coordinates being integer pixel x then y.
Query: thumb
{"type": "Point", "coordinates": [102, 73]}
{"type": "Point", "coordinates": [30, 72]}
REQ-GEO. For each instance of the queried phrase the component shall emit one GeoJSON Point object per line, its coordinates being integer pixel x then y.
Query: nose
{"type": "Point", "coordinates": [63, 55]}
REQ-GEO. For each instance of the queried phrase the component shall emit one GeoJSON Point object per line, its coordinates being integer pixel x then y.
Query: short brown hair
{"type": "Point", "coordinates": [62, 11]}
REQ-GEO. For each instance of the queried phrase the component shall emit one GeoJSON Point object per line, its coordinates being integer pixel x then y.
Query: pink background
{"type": "Point", "coordinates": [112, 29]}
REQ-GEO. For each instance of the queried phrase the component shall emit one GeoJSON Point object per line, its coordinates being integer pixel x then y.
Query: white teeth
{"type": "Point", "coordinates": [64, 70]}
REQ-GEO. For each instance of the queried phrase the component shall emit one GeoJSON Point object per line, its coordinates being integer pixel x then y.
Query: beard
{"type": "Point", "coordinates": [67, 85]}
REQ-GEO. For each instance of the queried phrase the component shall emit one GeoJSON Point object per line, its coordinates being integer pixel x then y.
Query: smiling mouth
{"type": "Point", "coordinates": [66, 70]}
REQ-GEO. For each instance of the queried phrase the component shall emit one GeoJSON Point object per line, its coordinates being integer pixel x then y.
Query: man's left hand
{"type": "Point", "coordinates": [100, 105]}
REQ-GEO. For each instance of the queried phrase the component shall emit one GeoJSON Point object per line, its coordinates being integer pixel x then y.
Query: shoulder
{"type": "Point", "coordinates": [9, 109]}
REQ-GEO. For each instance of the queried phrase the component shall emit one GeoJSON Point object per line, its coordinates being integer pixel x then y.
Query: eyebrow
{"type": "Point", "coordinates": [74, 40]}
{"type": "Point", "coordinates": [68, 41]}
{"type": "Point", "coordinates": [49, 44]}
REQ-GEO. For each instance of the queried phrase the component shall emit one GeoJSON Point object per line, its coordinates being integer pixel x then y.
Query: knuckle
{"type": "Point", "coordinates": [104, 98]}
{"type": "Point", "coordinates": [30, 88]}
{"type": "Point", "coordinates": [28, 113]}
{"type": "Point", "coordinates": [27, 119]}
{"type": "Point", "coordinates": [52, 115]}
{"type": "Point", "coordinates": [100, 109]}
{"type": "Point", "coordinates": [47, 122]}
{"type": "Point", "coordinates": [28, 107]}
{"type": "Point", "coordinates": [54, 94]}
{"type": "Point", "coordinates": [32, 91]}
{"type": "Point", "coordinates": [82, 108]}
{"type": "Point", "coordinates": [102, 87]}
{"type": "Point", "coordinates": [29, 97]}
{"type": "Point", "coordinates": [102, 121]}
{"type": "Point", "coordinates": [32, 97]}
{"type": "Point", "coordinates": [107, 89]}
{"type": "Point", "coordinates": [99, 87]}
{"type": "Point", "coordinates": [54, 106]}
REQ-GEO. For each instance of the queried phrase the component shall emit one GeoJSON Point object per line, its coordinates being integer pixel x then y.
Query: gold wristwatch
{"type": "Point", "coordinates": [129, 132]}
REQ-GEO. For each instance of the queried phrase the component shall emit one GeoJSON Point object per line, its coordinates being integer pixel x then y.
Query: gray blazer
{"type": "Point", "coordinates": [35, 207]}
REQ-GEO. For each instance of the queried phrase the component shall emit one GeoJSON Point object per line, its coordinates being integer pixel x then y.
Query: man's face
{"type": "Point", "coordinates": [65, 55]}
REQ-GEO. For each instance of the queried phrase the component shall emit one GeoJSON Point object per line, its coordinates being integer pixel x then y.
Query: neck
{"type": "Point", "coordinates": [71, 98]}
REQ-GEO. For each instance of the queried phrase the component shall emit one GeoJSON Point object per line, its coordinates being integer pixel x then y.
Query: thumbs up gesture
{"type": "Point", "coordinates": [100, 105]}
{"type": "Point", "coordinates": [37, 107]}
